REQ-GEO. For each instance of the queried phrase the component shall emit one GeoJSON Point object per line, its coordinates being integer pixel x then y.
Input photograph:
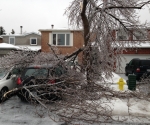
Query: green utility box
{"type": "Point", "coordinates": [131, 82]}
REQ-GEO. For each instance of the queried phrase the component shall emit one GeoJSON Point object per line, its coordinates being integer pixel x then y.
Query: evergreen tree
{"type": "Point", "coordinates": [2, 31]}
{"type": "Point", "coordinates": [12, 32]}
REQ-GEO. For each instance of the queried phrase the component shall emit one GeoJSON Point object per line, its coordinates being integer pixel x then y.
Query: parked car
{"type": "Point", "coordinates": [7, 80]}
{"type": "Point", "coordinates": [138, 67]}
{"type": "Point", "coordinates": [39, 75]}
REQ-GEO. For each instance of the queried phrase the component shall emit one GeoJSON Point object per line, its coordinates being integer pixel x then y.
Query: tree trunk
{"type": "Point", "coordinates": [87, 51]}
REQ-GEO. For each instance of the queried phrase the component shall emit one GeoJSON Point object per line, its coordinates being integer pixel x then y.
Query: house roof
{"type": "Point", "coordinates": [64, 30]}
{"type": "Point", "coordinates": [22, 47]}
{"type": "Point", "coordinates": [33, 48]}
{"type": "Point", "coordinates": [24, 34]}
{"type": "Point", "coordinates": [9, 46]}
{"type": "Point", "coordinates": [131, 44]}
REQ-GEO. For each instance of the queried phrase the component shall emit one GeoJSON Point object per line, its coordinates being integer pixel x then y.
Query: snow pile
{"type": "Point", "coordinates": [114, 79]}
{"type": "Point", "coordinates": [112, 82]}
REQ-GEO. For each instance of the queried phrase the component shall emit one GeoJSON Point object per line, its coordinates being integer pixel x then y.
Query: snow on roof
{"type": "Point", "coordinates": [24, 34]}
{"type": "Point", "coordinates": [22, 47]}
{"type": "Point", "coordinates": [33, 48]}
{"type": "Point", "coordinates": [9, 46]}
{"type": "Point", "coordinates": [62, 29]}
{"type": "Point", "coordinates": [130, 44]}
{"type": "Point", "coordinates": [31, 33]}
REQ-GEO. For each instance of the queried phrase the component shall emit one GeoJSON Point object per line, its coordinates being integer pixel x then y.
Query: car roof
{"type": "Point", "coordinates": [41, 66]}
{"type": "Point", "coordinates": [141, 59]}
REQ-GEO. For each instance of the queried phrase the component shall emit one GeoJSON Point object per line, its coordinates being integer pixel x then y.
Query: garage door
{"type": "Point", "coordinates": [126, 59]}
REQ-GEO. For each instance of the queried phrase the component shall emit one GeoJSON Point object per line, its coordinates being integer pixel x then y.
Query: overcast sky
{"type": "Point", "coordinates": [36, 14]}
{"type": "Point", "coordinates": [33, 14]}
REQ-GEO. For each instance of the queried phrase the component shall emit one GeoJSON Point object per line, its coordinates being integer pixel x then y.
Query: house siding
{"type": "Point", "coordinates": [23, 40]}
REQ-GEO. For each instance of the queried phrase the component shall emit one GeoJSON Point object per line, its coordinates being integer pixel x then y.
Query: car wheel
{"type": "Point", "coordinates": [23, 95]}
{"type": "Point", "coordinates": [2, 92]}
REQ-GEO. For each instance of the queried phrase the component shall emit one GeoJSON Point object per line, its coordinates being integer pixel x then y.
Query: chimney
{"type": "Point", "coordinates": [21, 29]}
{"type": "Point", "coordinates": [52, 26]}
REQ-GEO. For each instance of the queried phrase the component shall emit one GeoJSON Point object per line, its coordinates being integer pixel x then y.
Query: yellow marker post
{"type": "Point", "coordinates": [121, 84]}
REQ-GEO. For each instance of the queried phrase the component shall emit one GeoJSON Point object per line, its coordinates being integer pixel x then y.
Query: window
{"type": "Point", "coordinates": [33, 41]}
{"type": "Point", "coordinates": [12, 40]}
{"type": "Point", "coordinates": [122, 35]}
{"type": "Point", "coordinates": [140, 35]}
{"type": "Point", "coordinates": [62, 39]}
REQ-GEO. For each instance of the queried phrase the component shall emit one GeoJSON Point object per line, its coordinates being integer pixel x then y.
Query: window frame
{"type": "Point", "coordinates": [64, 33]}
{"type": "Point", "coordinates": [31, 41]}
{"type": "Point", "coordinates": [11, 38]}
{"type": "Point", "coordinates": [127, 35]}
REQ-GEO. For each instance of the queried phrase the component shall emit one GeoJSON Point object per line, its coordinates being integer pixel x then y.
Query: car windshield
{"type": "Point", "coordinates": [41, 72]}
{"type": "Point", "coordinates": [3, 72]}
{"type": "Point", "coordinates": [145, 62]}
{"type": "Point", "coordinates": [44, 72]}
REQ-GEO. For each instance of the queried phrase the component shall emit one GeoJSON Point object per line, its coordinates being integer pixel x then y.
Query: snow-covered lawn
{"type": "Point", "coordinates": [15, 112]}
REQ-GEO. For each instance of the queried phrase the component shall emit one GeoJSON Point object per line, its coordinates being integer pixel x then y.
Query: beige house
{"type": "Point", "coordinates": [30, 40]}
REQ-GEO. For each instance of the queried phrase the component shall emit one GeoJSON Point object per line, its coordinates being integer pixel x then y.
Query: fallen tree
{"type": "Point", "coordinates": [83, 98]}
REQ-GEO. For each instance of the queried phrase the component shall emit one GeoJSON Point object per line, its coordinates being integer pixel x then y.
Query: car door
{"type": "Point", "coordinates": [11, 80]}
{"type": "Point", "coordinates": [130, 67]}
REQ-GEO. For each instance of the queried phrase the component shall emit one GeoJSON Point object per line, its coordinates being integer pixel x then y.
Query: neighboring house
{"type": "Point", "coordinates": [66, 40]}
{"type": "Point", "coordinates": [29, 40]}
{"type": "Point", "coordinates": [139, 50]}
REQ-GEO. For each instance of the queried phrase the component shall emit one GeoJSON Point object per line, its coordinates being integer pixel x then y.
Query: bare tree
{"type": "Point", "coordinates": [99, 18]}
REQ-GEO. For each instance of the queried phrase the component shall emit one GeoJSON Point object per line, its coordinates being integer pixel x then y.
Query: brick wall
{"type": "Point", "coordinates": [44, 41]}
{"type": "Point", "coordinates": [137, 51]}
{"type": "Point", "coordinates": [77, 43]}
{"type": "Point", "coordinates": [1, 40]}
